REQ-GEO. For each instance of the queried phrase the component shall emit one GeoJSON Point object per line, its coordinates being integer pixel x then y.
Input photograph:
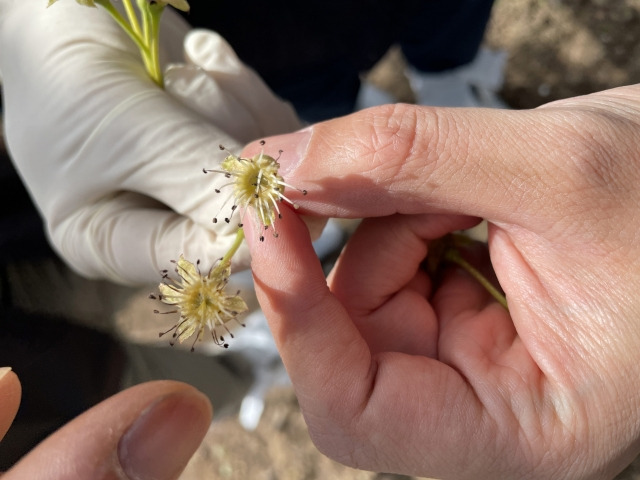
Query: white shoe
{"type": "Point", "coordinates": [472, 85]}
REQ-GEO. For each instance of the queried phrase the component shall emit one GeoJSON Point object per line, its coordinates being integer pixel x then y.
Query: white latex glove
{"type": "Point", "coordinates": [113, 162]}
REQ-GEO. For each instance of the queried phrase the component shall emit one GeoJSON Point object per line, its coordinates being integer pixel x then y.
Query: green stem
{"type": "Point", "coordinates": [120, 20]}
{"type": "Point", "coordinates": [453, 255]}
{"type": "Point", "coordinates": [133, 18]}
{"type": "Point", "coordinates": [234, 248]}
{"type": "Point", "coordinates": [145, 37]}
{"type": "Point", "coordinates": [150, 29]}
{"type": "Point", "coordinates": [155, 11]}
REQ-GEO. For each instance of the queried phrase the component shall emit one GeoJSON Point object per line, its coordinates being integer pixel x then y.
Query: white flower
{"type": "Point", "coordinates": [201, 301]}
{"type": "Point", "coordinates": [256, 184]}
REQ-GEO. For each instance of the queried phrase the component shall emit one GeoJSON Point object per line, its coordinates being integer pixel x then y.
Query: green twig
{"type": "Point", "coordinates": [153, 41]}
{"type": "Point", "coordinates": [120, 20]}
{"type": "Point", "coordinates": [452, 255]}
{"type": "Point", "coordinates": [146, 36]}
{"type": "Point", "coordinates": [133, 18]}
{"type": "Point", "coordinates": [233, 249]}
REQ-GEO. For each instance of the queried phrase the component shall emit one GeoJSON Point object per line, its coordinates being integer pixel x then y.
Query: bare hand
{"type": "Point", "coordinates": [149, 431]}
{"type": "Point", "coordinates": [395, 373]}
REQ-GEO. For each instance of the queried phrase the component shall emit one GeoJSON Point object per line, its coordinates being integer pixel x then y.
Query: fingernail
{"type": "Point", "coordinates": [4, 371]}
{"type": "Point", "coordinates": [293, 145]}
{"type": "Point", "coordinates": [159, 444]}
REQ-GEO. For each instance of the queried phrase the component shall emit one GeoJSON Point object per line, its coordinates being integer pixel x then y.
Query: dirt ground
{"type": "Point", "coordinates": [556, 49]}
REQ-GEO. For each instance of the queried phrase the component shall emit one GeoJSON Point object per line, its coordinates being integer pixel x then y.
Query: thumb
{"type": "Point", "coordinates": [10, 392]}
{"type": "Point", "coordinates": [149, 431]}
{"type": "Point", "coordinates": [412, 159]}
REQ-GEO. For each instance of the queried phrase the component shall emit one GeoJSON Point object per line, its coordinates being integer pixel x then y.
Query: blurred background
{"type": "Point", "coordinates": [553, 49]}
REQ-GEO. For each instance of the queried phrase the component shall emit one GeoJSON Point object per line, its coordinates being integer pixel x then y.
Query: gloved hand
{"type": "Point", "coordinates": [113, 162]}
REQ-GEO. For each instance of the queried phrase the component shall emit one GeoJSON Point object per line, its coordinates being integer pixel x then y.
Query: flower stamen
{"type": "Point", "coordinates": [201, 301]}
{"type": "Point", "coordinates": [256, 184]}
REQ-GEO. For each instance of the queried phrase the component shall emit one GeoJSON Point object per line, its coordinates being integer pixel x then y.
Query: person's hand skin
{"type": "Point", "coordinates": [146, 432]}
{"type": "Point", "coordinates": [394, 374]}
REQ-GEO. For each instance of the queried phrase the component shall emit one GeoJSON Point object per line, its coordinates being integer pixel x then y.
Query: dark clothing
{"type": "Point", "coordinates": [312, 52]}
{"type": "Point", "coordinates": [21, 229]}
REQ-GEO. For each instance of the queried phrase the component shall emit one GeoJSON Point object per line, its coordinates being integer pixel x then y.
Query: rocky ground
{"type": "Point", "coordinates": [556, 49]}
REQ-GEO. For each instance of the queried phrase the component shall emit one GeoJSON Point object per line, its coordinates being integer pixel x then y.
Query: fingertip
{"type": "Point", "coordinates": [10, 393]}
{"type": "Point", "coordinates": [292, 145]}
{"type": "Point", "coordinates": [152, 429]}
{"type": "Point", "coordinates": [278, 260]}
{"type": "Point", "coordinates": [165, 436]}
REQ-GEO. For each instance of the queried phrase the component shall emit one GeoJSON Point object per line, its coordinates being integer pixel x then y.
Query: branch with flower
{"type": "Point", "coordinates": [256, 188]}
{"type": "Point", "coordinates": [200, 299]}
{"type": "Point", "coordinates": [142, 27]}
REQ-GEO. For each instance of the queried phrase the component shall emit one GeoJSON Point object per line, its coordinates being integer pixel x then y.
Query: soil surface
{"type": "Point", "coordinates": [556, 49]}
{"type": "Point", "coordinates": [563, 48]}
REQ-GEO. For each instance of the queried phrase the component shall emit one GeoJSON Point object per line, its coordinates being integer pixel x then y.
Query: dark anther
{"type": "Point", "coordinates": [262, 238]}
{"type": "Point", "coordinates": [262, 142]}
{"type": "Point", "coordinates": [217, 190]}
{"type": "Point", "coordinates": [221, 147]}
{"type": "Point", "coordinates": [215, 220]}
{"type": "Point", "coordinates": [304, 192]}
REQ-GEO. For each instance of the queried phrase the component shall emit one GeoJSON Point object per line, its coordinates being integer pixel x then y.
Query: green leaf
{"type": "Point", "coordinates": [179, 4]}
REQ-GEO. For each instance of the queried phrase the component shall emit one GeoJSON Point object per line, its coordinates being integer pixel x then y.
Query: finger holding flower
{"type": "Point", "coordinates": [543, 390]}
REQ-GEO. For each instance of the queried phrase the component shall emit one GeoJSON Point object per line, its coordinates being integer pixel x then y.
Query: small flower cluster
{"type": "Point", "coordinates": [200, 299]}
{"type": "Point", "coordinates": [257, 185]}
